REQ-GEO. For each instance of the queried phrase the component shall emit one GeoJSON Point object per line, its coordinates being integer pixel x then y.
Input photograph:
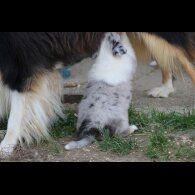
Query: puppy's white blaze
{"type": "Point", "coordinates": [107, 68]}
{"type": "Point", "coordinates": [133, 128]}
{"type": "Point", "coordinates": [164, 91]}
{"type": "Point", "coordinates": [79, 144]}
{"type": "Point", "coordinates": [14, 123]}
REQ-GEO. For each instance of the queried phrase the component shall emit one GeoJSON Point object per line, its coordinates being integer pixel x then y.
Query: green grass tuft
{"type": "Point", "coordinates": [119, 145]}
{"type": "Point", "coordinates": [185, 151]}
{"type": "Point", "coordinates": [64, 127]}
{"type": "Point", "coordinates": [158, 146]}
{"type": "Point", "coordinates": [171, 121]}
{"type": "Point", "coordinates": [55, 148]}
{"type": "Point", "coordinates": [159, 127]}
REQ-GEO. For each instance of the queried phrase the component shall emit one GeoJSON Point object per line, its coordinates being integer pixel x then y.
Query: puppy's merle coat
{"type": "Point", "coordinates": [108, 94]}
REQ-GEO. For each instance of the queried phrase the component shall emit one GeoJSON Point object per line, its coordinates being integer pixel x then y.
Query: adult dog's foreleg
{"type": "Point", "coordinates": [14, 123]}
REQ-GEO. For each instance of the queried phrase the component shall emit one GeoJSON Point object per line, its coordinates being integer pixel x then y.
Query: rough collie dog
{"type": "Point", "coordinates": [108, 94]}
{"type": "Point", "coordinates": [30, 86]}
{"type": "Point", "coordinates": [169, 49]}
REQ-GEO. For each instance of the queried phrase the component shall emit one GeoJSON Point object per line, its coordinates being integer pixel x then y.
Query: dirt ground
{"type": "Point", "coordinates": [146, 78]}
{"type": "Point", "coordinates": [45, 153]}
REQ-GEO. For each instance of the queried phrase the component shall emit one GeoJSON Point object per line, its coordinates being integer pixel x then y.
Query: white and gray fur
{"type": "Point", "coordinates": [108, 94]}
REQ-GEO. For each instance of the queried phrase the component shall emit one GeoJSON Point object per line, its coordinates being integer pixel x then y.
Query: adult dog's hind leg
{"type": "Point", "coordinates": [166, 88]}
{"type": "Point", "coordinates": [14, 124]}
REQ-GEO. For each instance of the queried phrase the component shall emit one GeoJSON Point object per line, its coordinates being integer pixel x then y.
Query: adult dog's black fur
{"type": "Point", "coordinates": [30, 86]}
{"type": "Point", "coordinates": [24, 54]}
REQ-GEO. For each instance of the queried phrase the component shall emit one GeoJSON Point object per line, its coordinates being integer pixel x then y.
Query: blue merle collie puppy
{"type": "Point", "coordinates": [108, 94]}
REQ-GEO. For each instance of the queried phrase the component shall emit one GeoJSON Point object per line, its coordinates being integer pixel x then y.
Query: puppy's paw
{"type": "Point", "coordinates": [117, 48]}
{"type": "Point", "coordinates": [132, 129]}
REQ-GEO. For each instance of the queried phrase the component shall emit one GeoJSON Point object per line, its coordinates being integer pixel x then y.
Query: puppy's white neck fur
{"type": "Point", "coordinates": [114, 70]}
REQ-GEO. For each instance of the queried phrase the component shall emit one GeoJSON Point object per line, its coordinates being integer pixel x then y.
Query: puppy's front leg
{"type": "Point", "coordinates": [14, 124]}
{"type": "Point", "coordinates": [115, 42]}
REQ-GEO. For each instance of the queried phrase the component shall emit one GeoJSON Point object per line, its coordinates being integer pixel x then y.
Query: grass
{"type": "Point", "coordinates": [159, 145]}
{"type": "Point", "coordinates": [64, 127]}
{"type": "Point", "coordinates": [168, 121]}
{"type": "Point", "coordinates": [55, 148]}
{"type": "Point", "coordinates": [185, 151]}
{"type": "Point", "coordinates": [158, 126]}
{"type": "Point", "coordinates": [119, 145]}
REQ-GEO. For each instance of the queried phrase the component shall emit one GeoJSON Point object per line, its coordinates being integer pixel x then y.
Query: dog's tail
{"type": "Point", "coordinates": [80, 144]}
{"type": "Point", "coordinates": [167, 50]}
{"type": "Point", "coordinates": [87, 134]}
